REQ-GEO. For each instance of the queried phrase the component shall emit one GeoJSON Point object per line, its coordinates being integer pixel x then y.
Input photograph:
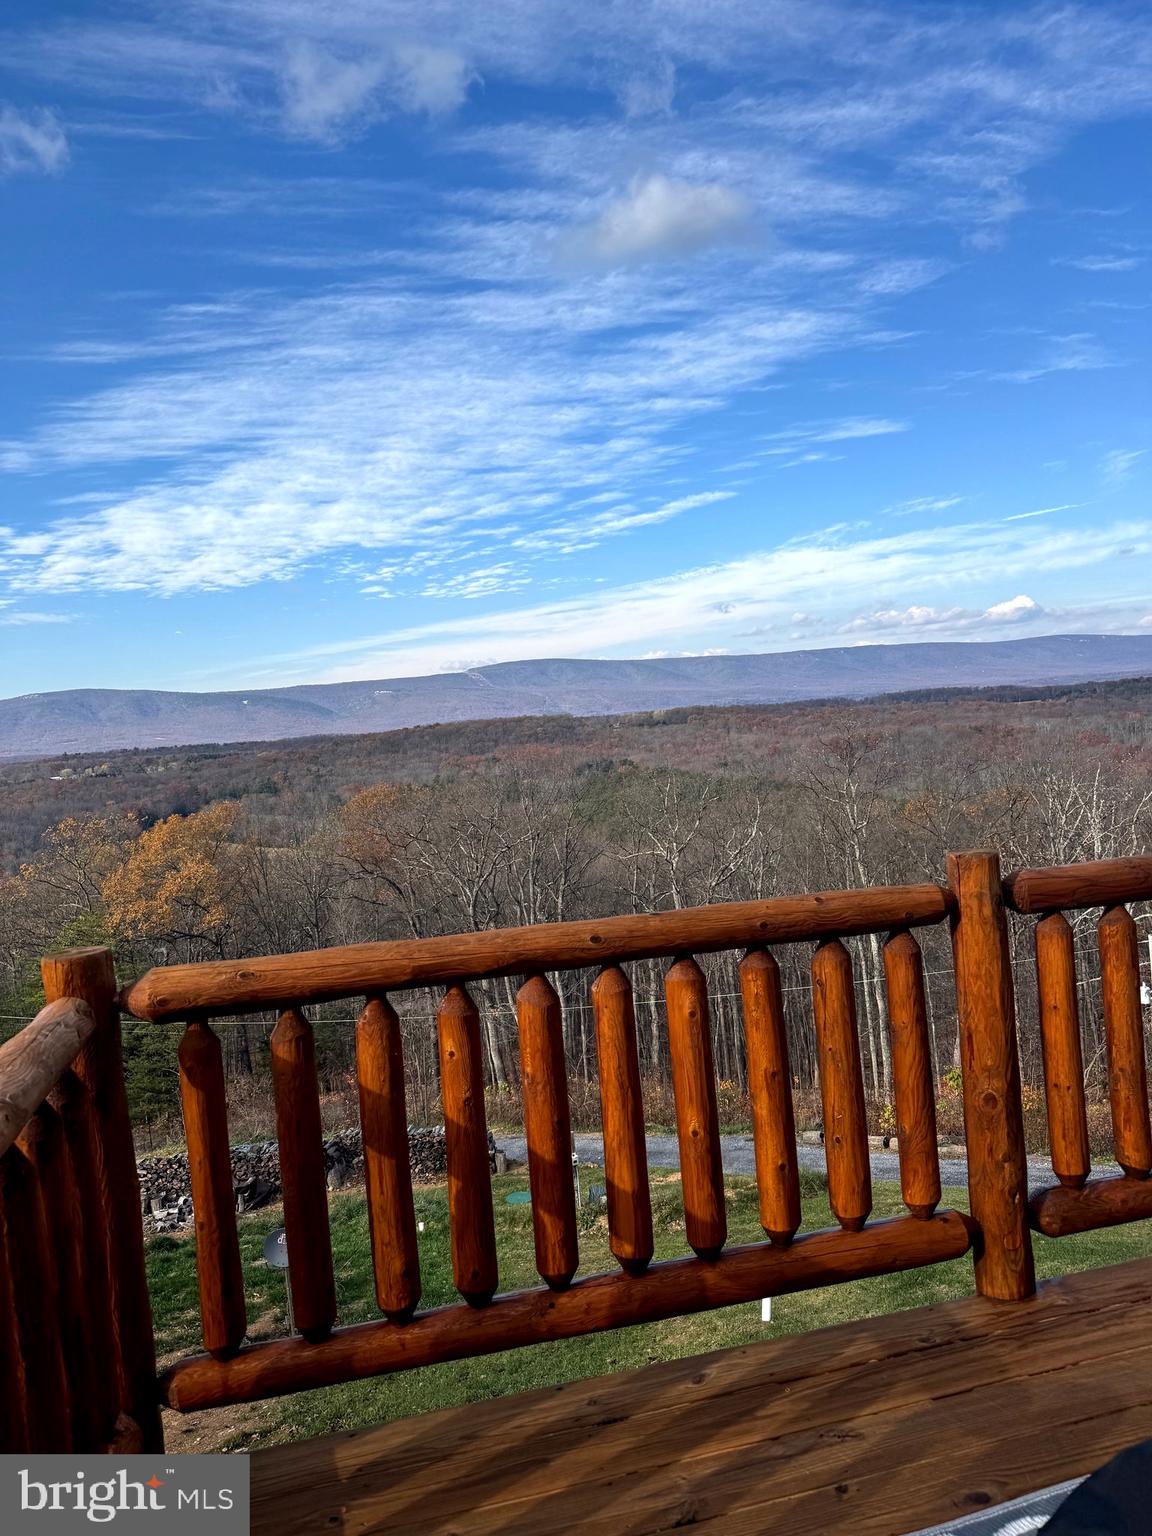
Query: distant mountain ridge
{"type": "Point", "coordinates": [103, 719]}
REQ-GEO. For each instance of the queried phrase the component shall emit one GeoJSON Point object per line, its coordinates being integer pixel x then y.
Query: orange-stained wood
{"type": "Point", "coordinates": [1099, 1203]}
{"type": "Point", "coordinates": [841, 1086]}
{"type": "Point", "coordinates": [770, 1090]}
{"type": "Point", "coordinates": [303, 1174]}
{"type": "Point", "coordinates": [1065, 887]}
{"type": "Point", "coordinates": [993, 1117]}
{"type": "Point", "coordinates": [49, 1152]}
{"type": "Point", "coordinates": [912, 1084]}
{"type": "Point", "coordinates": [697, 1120]}
{"type": "Point", "coordinates": [672, 1288]}
{"type": "Point", "coordinates": [319, 975]}
{"type": "Point", "coordinates": [89, 974]}
{"type": "Point", "coordinates": [387, 1171]}
{"type": "Point", "coordinates": [622, 1115]}
{"type": "Point", "coordinates": [548, 1131]}
{"type": "Point", "coordinates": [466, 1144]}
{"type": "Point", "coordinates": [15, 1432]}
{"type": "Point", "coordinates": [1060, 1041]}
{"type": "Point", "coordinates": [36, 1292]}
{"type": "Point", "coordinates": [1124, 1031]}
{"type": "Point", "coordinates": [100, 1408]}
{"type": "Point", "coordinates": [223, 1317]}
{"type": "Point", "coordinates": [32, 1060]}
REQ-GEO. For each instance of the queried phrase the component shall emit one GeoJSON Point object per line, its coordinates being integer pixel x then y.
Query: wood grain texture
{"type": "Point", "coordinates": [387, 1170]}
{"type": "Point", "coordinates": [73, 1103]}
{"type": "Point", "coordinates": [870, 1428]}
{"type": "Point", "coordinates": [1060, 1043]}
{"type": "Point", "coordinates": [15, 1427]}
{"type": "Point", "coordinates": [1099, 1203]}
{"type": "Point", "coordinates": [841, 1086]}
{"type": "Point", "coordinates": [912, 1085]}
{"type": "Point", "coordinates": [303, 1174]}
{"type": "Point", "coordinates": [33, 1059]}
{"type": "Point", "coordinates": [223, 1315]}
{"type": "Point", "coordinates": [323, 974]}
{"type": "Point", "coordinates": [548, 1131]}
{"type": "Point", "coordinates": [36, 1292]}
{"type": "Point", "coordinates": [1124, 1032]}
{"type": "Point", "coordinates": [1065, 887]}
{"type": "Point", "coordinates": [673, 1288]}
{"type": "Point", "coordinates": [697, 1119]}
{"type": "Point", "coordinates": [770, 1093]}
{"type": "Point", "coordinates": [45, 1143]}
{"type": "Point", "coordinates": [622, 1116]}
{"type": "Point", "coordinates": [89, 974]}
{"type": "Point", "coordinates": [473, 1229]}
{"type": "Point", "coordinates": [993, 1119]}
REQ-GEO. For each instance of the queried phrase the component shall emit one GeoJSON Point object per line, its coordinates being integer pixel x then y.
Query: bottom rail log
{"type": "Point", "coordinates": [1100, 1203]}
{"type": "Point", "coordinates": [669, 1289]}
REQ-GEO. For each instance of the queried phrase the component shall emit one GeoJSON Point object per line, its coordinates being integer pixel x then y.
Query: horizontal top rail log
{"type": "Point", "coordinates": [1066, 887]}
{"type": "Point", "coordinates": [33, 1061]}
{"type": "Point", "coordinates": [322, 975]}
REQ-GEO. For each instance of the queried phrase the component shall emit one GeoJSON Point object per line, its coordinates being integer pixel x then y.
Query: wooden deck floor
{"type": "Point", "coordinates": [871, 1428]}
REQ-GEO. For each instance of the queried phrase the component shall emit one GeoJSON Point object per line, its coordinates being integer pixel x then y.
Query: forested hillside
{"type": "Point", "coordinates": [207, 853]}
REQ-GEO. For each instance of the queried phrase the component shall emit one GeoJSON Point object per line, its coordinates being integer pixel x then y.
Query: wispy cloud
{"type": "Point", "coordinates": [1117, 465]}
{"type": "Point", "coordinates": [659, 217]}
{"type": "Point", "coordinates": [749, 603]}
{"type": "Point", "coordinates": [1101, 263]}
{"type": "Point", "coordinates": [1064, 354]}
{"type": "Point", "coordinates": [31, 142]}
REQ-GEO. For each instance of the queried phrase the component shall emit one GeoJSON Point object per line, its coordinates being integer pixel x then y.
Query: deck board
{"type": "Point", "coordinates": [875, 1427]}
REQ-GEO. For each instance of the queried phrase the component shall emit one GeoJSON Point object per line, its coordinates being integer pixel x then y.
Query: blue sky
{"type": "Point", "coordinates": [345, 340]}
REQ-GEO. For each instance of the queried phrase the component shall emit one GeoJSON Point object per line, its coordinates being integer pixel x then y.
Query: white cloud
{"type": "Point", "coordinates": [1117, 465]}
{"type": "Point", "coordinates": [30, 616]}
{"type": "Point", "coordinates": [1102, 263]}
{"type": "Point", "coordinates": [322, 95]}
{"type": "Point", "coordinates": [751, 603]}
{"type": "Point", "coordinates": [431, 79]}
{"type": "Point", "coordinates": [31, 141]}
{"type": "Point", "coordinates": [920, 504]}
{"type": "Point", "coordinates": [660, 217]}
{"type": "Point", "coordinates": [1063, 354]}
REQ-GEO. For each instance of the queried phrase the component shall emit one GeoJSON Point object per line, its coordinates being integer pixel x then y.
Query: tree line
{"type": "Point", "coordinates": [532, 834]}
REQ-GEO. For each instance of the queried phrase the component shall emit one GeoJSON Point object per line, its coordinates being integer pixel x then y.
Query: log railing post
{"type": "Point", "coordinates": [993, 1118]}
{"type": "Point", "coordinates": [89, 974]}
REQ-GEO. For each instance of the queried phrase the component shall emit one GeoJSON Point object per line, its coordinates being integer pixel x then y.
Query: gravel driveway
{"type": "Point", "coordinates": [739, 1157]}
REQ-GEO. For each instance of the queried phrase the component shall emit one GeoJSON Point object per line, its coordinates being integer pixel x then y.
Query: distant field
{"type": "Point", "coordinates": [171, 1266]}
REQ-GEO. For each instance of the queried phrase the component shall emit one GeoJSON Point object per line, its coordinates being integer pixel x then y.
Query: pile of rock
{"type": "Point", "coordinates": [165, 1192]}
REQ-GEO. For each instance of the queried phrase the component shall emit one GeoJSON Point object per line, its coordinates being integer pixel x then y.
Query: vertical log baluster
{"type": "Point", "coordinates": [15, 1433]}
{"type": "Point", "coordinates": [303, 1175]}
{"type": "Point", "coordinates": [993, 1116]}
{"type": "Point", "coordinates": [548, 1130]}
{"type": "Point", "coordinates": [223, 1315]}
{"type": "Point", "coordinates": [1124, 1032]}
{"type": "Point", "coordinates": [622, 1115]}
{"type": "Point", "coordinates": [387, 1170]}
{"type": "Point", "coordinates": [52, 1160]}
{"type": "Point", "coordinates": [841, 1086]}
{"type": "Point", "coordinates": [466, 1143]}
{"type": "Point", "coordinates": [73, 1103]}
{"type": "Point", "coordinates": [35, 1288]}
{"type": "Point", "coordinates": [697, 1120]}
{"type": "Point", "coordinates": [770, 1090]}
{"type": "Point", "coordinates": [912, 1075]}
{"type": "Point", "coordinates": [1060, 1043]}
{"type": "Point", "coordinates": [90, 975]}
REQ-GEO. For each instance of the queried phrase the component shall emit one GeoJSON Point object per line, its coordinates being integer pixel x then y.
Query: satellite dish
{"type": "Point", "coordinates": [276, 1249]}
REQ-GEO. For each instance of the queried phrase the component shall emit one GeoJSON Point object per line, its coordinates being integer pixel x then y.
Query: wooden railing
{"type": "Point", "coordinates": [73, 1302]}
{"type": "Point", "coordinates": [76, 1353]}
{"type": "Point", "coordinates": [323, 1353]}
{"type": "Point", "coordinates": [1080, 1203]}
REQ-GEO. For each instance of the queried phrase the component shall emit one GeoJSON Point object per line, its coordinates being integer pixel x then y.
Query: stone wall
{"type": "Point", "coordinates": [166, 1199]}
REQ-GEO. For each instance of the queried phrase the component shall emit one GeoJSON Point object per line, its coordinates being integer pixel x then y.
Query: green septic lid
{"type": "Point", "coordinates": [519, 1197]}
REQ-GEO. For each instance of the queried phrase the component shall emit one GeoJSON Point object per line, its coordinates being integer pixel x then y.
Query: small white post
{"type": "Point", "coordinates": [766, 1309]}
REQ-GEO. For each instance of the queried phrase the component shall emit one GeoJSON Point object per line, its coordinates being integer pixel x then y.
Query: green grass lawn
{"type": "Point", "coordinates": [172, 1279]}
